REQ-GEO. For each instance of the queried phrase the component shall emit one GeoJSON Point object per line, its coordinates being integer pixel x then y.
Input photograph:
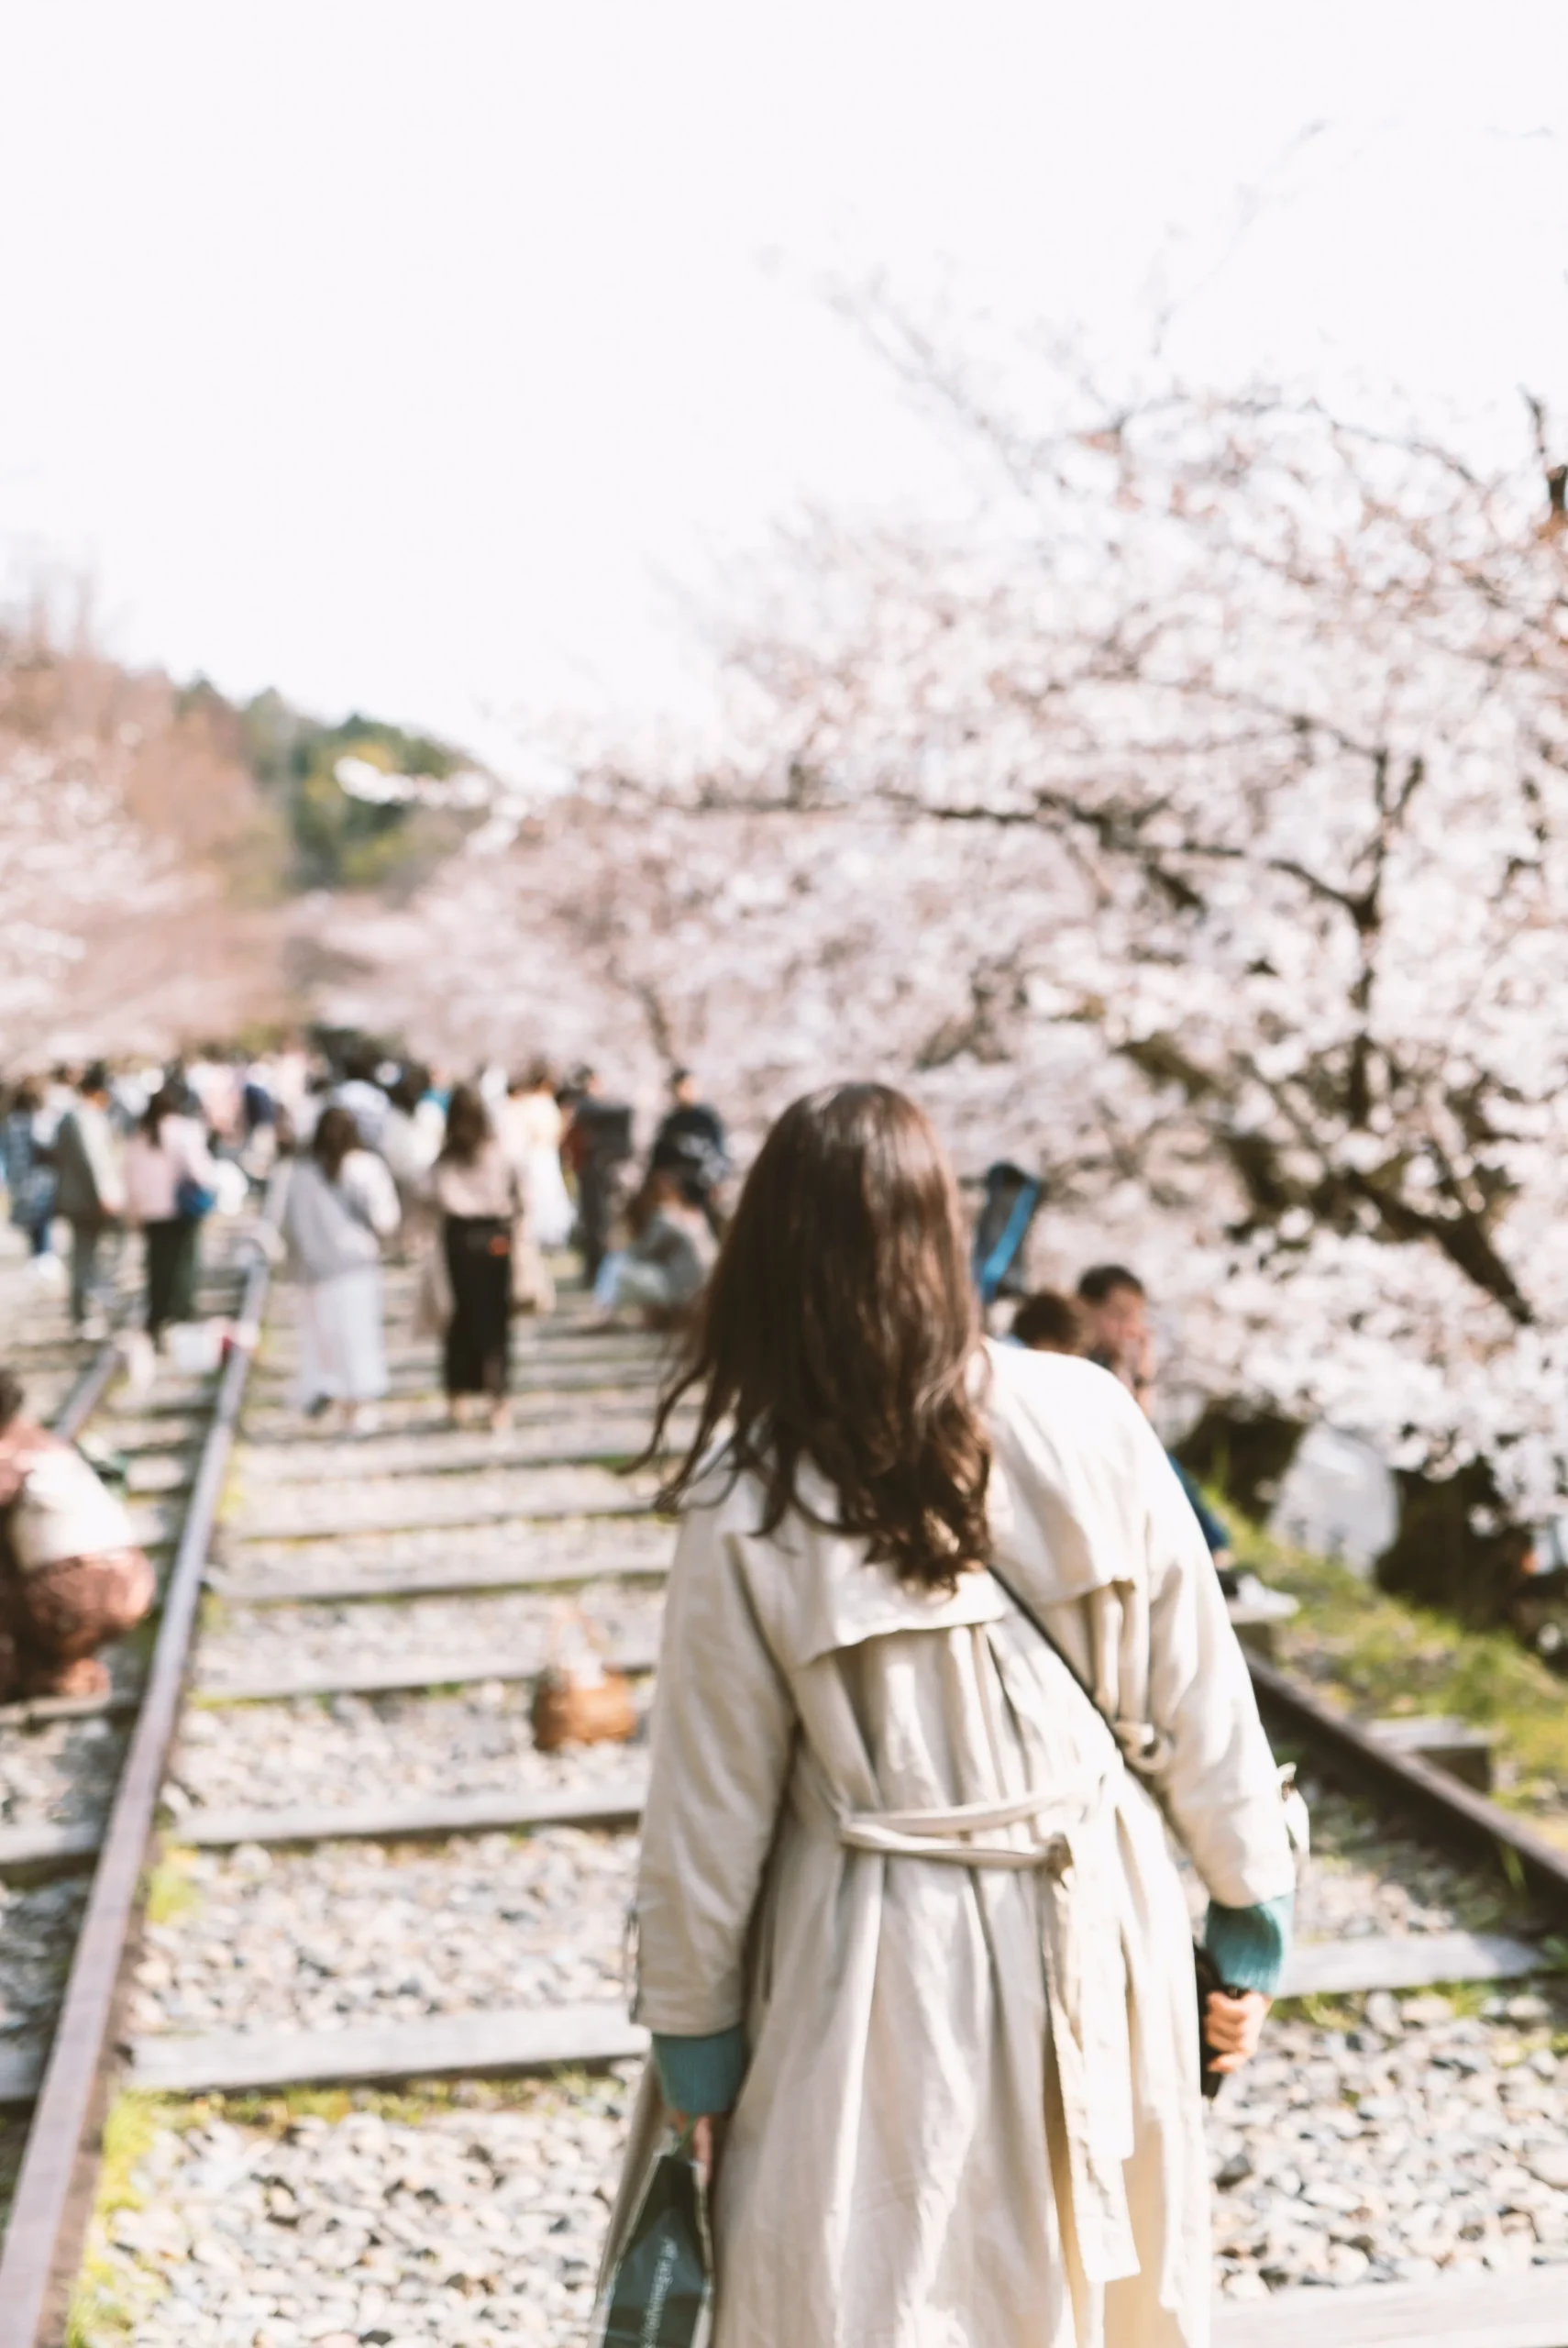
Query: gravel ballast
{"type": "Point", "coordinates": [344, 1932]}
{"type": "Point", "coordinates": [1430, 2145]}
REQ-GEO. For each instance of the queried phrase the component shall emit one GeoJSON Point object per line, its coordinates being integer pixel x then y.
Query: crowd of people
{"type": "Point", "coordinates": [88, 1154]}
{"type": "Point", "coordinates": [477, 1183]}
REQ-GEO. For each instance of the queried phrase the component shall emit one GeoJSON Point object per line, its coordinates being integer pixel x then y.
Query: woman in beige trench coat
{"type": "Point", "coordinates": [906, 1912]}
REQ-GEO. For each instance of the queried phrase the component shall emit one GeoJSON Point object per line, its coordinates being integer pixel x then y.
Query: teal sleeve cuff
{"type": "Point", "coordinates": [700, 2074]}
{"type": "Point", "coordinates": [1248, 1945]}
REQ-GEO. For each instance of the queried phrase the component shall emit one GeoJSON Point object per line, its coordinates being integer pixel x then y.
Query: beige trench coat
{"type": "Point", "coordinates": [887, 1830]}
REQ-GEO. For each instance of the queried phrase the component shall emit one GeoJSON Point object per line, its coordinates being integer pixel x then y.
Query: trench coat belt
{"type": "Point", "coordinates": [1085, 1985]}
{"type": "Point", "coordinates": [939, 1833]}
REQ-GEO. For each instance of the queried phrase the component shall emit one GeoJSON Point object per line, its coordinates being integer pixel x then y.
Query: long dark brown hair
{"type": "Point", "coordinates": [468, 1125]}
{"type": "Point", "coordinates": [336, 1134]}
{"type": "Point", "coordinates": [165, 1103]}
{"type": "Point", "coordinates": [839, 1327]}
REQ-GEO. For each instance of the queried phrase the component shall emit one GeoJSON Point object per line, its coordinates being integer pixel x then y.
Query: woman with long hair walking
{"type": "Point", "coordinates": [169, 1177]}
{"type": "Point", "coordinates": [943, 1656]}
{"type": "Point", "coordinates": [478, 1192]}
{"type": "Point", "coordinates": [341, 1206]}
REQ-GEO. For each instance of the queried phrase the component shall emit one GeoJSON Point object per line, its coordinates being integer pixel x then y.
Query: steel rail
{"type": "Point", "coordinates": [51, 2206]}
{"type": "Point", "coordinates": [87, 1391]}
{"type": "Point", "coordinates": [1459, 1818]}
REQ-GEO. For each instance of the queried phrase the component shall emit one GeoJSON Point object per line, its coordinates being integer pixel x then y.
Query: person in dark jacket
{"type": "Point", "coordinates": [598, 1144]}
{"type": "Point", "coordinates": [89, 1191]}
{"type": "Point", "coordinates": [30, 1175]}
{"type": "Point", "coordinates": [692, 1144]}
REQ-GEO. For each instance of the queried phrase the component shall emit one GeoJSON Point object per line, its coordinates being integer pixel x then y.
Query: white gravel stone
{"type": "Point", "coordinates": [597, 1426]}
{"type": "Point", "coordinates": [38, 1928]}
{"type": "Point", "coordinates": [1352, 2157]}
{"type": "Point", "coordinates": [476, 2222]}
{"type": "Point", "coordinates": [290, 1510]}
{"type": "Point", "coordinates": [589, 1546]}
{"type": "Point", "coordinates": [535, 1627]}
{"type": "Point", "coordinates": [346, 1932]}
{"type": "Point", "coordinates": [58, 1773]}
{"type": "Point", "coordinates": [384, 1748]}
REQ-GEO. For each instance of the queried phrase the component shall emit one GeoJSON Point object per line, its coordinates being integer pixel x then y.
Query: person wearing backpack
{"type": "Point", "coordinates": [169, 1187]}
{"type": "Point", "coordinates": [70, 1574]}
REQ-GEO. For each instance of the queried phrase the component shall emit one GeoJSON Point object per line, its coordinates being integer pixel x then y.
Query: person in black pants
{"type": "Point", "coordinates": [477, 1193]}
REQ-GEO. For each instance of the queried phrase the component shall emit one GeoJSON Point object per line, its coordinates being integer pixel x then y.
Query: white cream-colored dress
{"type": "Point", "coordinates": [889, 1833]}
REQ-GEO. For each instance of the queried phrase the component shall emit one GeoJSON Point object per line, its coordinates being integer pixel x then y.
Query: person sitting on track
{"type": "Point", "coordinates": [664, 1269]}
{"type": "Point", "coordinates": [71, 1575]}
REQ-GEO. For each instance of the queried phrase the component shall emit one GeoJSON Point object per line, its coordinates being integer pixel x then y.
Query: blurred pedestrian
{"type": "Point", "coordinates": [70, 1574]}
{"type": "Point", "coordinates": [170, 1180]}
{"type": "Point", "coordinates": [365, 1099]}
{"type": "Point", "coordinates": [478, 1196]}
{"type": "Point", "coordinates": [1049, 1322]}
{"type": "Point", "coordinates": [598, 1147]}
{"type": "Point", "coordinates": [30, 1175]}
{"type": "Point", "coordinates": [906, 1909]}
{"type": "Point", "coordinates": [691, 1141]}
{"type": "Point", "coordinates": [410, 1148]}
{"type": "Point", "coordinates": [664, 1269]}
{"type": "Point", "coordinates": [531, 1131]}
{"type": "Point", "coordinates": [1118, 1304]}
{"type": "Point", "coordinates": [90, 1195]}
{"type": "Point", "coordinates": [341, 1205]}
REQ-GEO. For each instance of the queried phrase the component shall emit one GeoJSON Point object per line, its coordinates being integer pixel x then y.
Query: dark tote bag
{"type": "Point", "coordinates": [659, 2293]}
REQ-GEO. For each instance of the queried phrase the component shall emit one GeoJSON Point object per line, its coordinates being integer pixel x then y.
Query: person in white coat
{"type": "Point", "coordinates": [913, 1952]}
{"type": "Point", "coordinates": [341, 1205]}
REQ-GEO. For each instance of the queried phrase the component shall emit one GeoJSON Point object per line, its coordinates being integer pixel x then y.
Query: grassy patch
{"type": "Point", "coordinates": [278, 2109]}
{"type": "Point", "coordinates": [1383, 1656]}
{"type": "Point", "coordinates": [107, 2297]}
{"type": "Point", "coordinates": [170, 1894]}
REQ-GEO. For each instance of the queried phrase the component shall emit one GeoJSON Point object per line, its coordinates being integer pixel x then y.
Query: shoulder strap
{"type": "Point", "coordinates": [1136, 1742]}
{"type": "Point", "coordinates": [1068, 1666]}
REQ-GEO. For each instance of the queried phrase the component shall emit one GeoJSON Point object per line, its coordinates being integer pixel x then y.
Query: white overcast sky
{"type": "Point", "coordinates": [401, 355]}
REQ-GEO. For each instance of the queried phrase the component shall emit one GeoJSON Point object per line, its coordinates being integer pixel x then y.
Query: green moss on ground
{"type": "Point", "coordinates": [170, 1892]}
{"type": "Point", "coordinates": [107, 2300]}
{"type": "Point", "coordinates": [1379, 1656]}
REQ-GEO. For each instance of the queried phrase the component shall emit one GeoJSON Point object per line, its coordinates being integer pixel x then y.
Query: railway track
{"type": "Point", "coordinates": [370, 2035]}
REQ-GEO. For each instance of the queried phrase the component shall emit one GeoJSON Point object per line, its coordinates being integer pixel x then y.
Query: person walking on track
{"type": "Point", "coordinates": [478, 1192]}
{"type": "Point", "coordinates": [598, 1147]}
{"type": "Point", "coordinates": [169, 1176]}
{"type": "Point", "coordinates": [943, 1656]}
{"type": "Point", "coordinates": [29, 1176]}
{"type": "Point", "coordinates": [341, 1205]}
{"type": "Point", "coordinates": [89, 1193]}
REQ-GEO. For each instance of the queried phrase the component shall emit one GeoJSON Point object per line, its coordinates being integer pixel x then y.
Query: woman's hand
{"type": "Point", "coordinates": [1233, 2026]}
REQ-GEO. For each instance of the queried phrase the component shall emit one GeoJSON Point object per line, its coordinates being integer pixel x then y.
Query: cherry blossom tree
{"type": "Point", "coordinates": [122, 811]}
{"type": "Point", "coordinates": [1190, 821]}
